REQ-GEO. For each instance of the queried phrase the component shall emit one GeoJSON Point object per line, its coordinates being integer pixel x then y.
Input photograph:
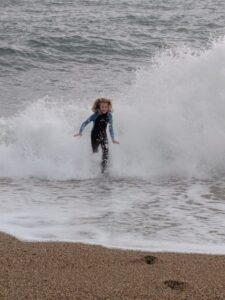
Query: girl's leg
{"type": "Point", "coordinates": [105, 153]}
{"type": "Point", "coordinates": [94, 143]}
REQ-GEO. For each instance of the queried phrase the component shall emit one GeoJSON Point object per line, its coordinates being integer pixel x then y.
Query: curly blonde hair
{"type": "Point", "coordinates": [96, 104]}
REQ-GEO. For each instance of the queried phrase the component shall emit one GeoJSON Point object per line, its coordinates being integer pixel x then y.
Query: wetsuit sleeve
{"type": "Point", "coordinates": [85, 123]}
{"type": "Point", "coordinates": [111, 131]}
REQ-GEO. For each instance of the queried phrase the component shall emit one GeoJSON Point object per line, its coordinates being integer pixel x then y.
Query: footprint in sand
{"type": "Point", "coordinates": [175, 285]}
{"type": "Point", "coordinates": [150, 259]}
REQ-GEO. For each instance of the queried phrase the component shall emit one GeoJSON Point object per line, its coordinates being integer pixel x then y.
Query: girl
{"type": "Point", "coordinates": [102, 116]}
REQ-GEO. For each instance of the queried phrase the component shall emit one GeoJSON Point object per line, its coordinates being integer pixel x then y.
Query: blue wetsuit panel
{"type": "Point", "coordinates": [93, 118]}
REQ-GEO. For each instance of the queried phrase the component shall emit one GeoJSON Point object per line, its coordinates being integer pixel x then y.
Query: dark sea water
{"type": "Point", "coordinates": [163, 64]}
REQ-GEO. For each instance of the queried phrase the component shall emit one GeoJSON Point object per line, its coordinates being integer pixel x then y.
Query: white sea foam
{"type": "Point", "coordinates": [170, 123]}
{"type": "Point", "coordinates": [168, 216]}
{"type": "Point", "coordinates": [171, 126]}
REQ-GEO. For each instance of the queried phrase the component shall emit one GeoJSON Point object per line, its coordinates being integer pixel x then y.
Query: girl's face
{"type": "Point", "coordinates": [104, 107]}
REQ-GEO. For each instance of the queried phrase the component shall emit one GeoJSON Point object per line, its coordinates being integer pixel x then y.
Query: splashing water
{"type": "Point", "coordinates": [170, 123]}
{"type": "Point", "coordinates": [163, 191]}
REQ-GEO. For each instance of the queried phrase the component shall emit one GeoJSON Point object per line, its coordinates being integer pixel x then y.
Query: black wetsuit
{"type": "Point", "coordinates": [99, 137]}
{"type": "Point", "coordinates": [99, 134]}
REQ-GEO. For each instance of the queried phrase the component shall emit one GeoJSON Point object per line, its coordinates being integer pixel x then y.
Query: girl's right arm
{"type": "Point", "coordinates": [85, 123]}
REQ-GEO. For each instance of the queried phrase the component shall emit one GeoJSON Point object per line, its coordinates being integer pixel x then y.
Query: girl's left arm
{"type": "Point", "coordinates": [111, 131]}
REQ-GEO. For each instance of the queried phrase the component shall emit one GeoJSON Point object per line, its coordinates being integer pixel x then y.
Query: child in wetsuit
{"type": "Point", "coordinates": [101, 117]}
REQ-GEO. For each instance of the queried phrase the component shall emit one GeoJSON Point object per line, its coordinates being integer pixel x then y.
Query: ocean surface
{"type": "Point", "coordinates": [163, 64]}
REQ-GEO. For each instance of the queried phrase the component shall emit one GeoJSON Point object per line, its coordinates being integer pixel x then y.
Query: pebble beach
{"type": "Point", "coordinates": [57, 270]}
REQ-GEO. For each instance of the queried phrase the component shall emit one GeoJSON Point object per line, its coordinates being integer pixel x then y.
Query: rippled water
{"type": "Point", "coordinates": [164, 66]}
{"type": "Point", "coordinates": [78, 49]}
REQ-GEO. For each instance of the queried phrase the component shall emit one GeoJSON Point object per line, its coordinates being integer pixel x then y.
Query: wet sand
{"type": "Point", "coordinates": [57, 270]}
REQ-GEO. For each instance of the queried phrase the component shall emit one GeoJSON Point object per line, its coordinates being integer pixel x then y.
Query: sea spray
{"type": "Point", "coordinates": [170, 123]}
{"type": "Point", "coordinates": [173, 118]}
{"type": "Point", "coordinates": [39, 142]}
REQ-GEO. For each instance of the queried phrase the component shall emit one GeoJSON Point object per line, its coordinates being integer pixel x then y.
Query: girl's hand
{"type": "Point", "coordinates": [78, 134]}
{"type": "Point", "coordinates": [115, 142]}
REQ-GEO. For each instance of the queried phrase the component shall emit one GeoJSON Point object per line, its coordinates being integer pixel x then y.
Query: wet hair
{"type": "Point", "coordinates": [96, 104]}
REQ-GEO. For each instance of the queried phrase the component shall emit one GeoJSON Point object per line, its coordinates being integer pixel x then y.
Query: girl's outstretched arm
{"type": "Point", "coordinates": [111, 131]}
{"type": "Point", "coordinates": [84, 124]}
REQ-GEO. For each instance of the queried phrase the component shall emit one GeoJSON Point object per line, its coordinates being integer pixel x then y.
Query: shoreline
{"type": "Point", "coordinates": [189, 249]}
{"type": "Point", "coordinates": [59, 270]}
